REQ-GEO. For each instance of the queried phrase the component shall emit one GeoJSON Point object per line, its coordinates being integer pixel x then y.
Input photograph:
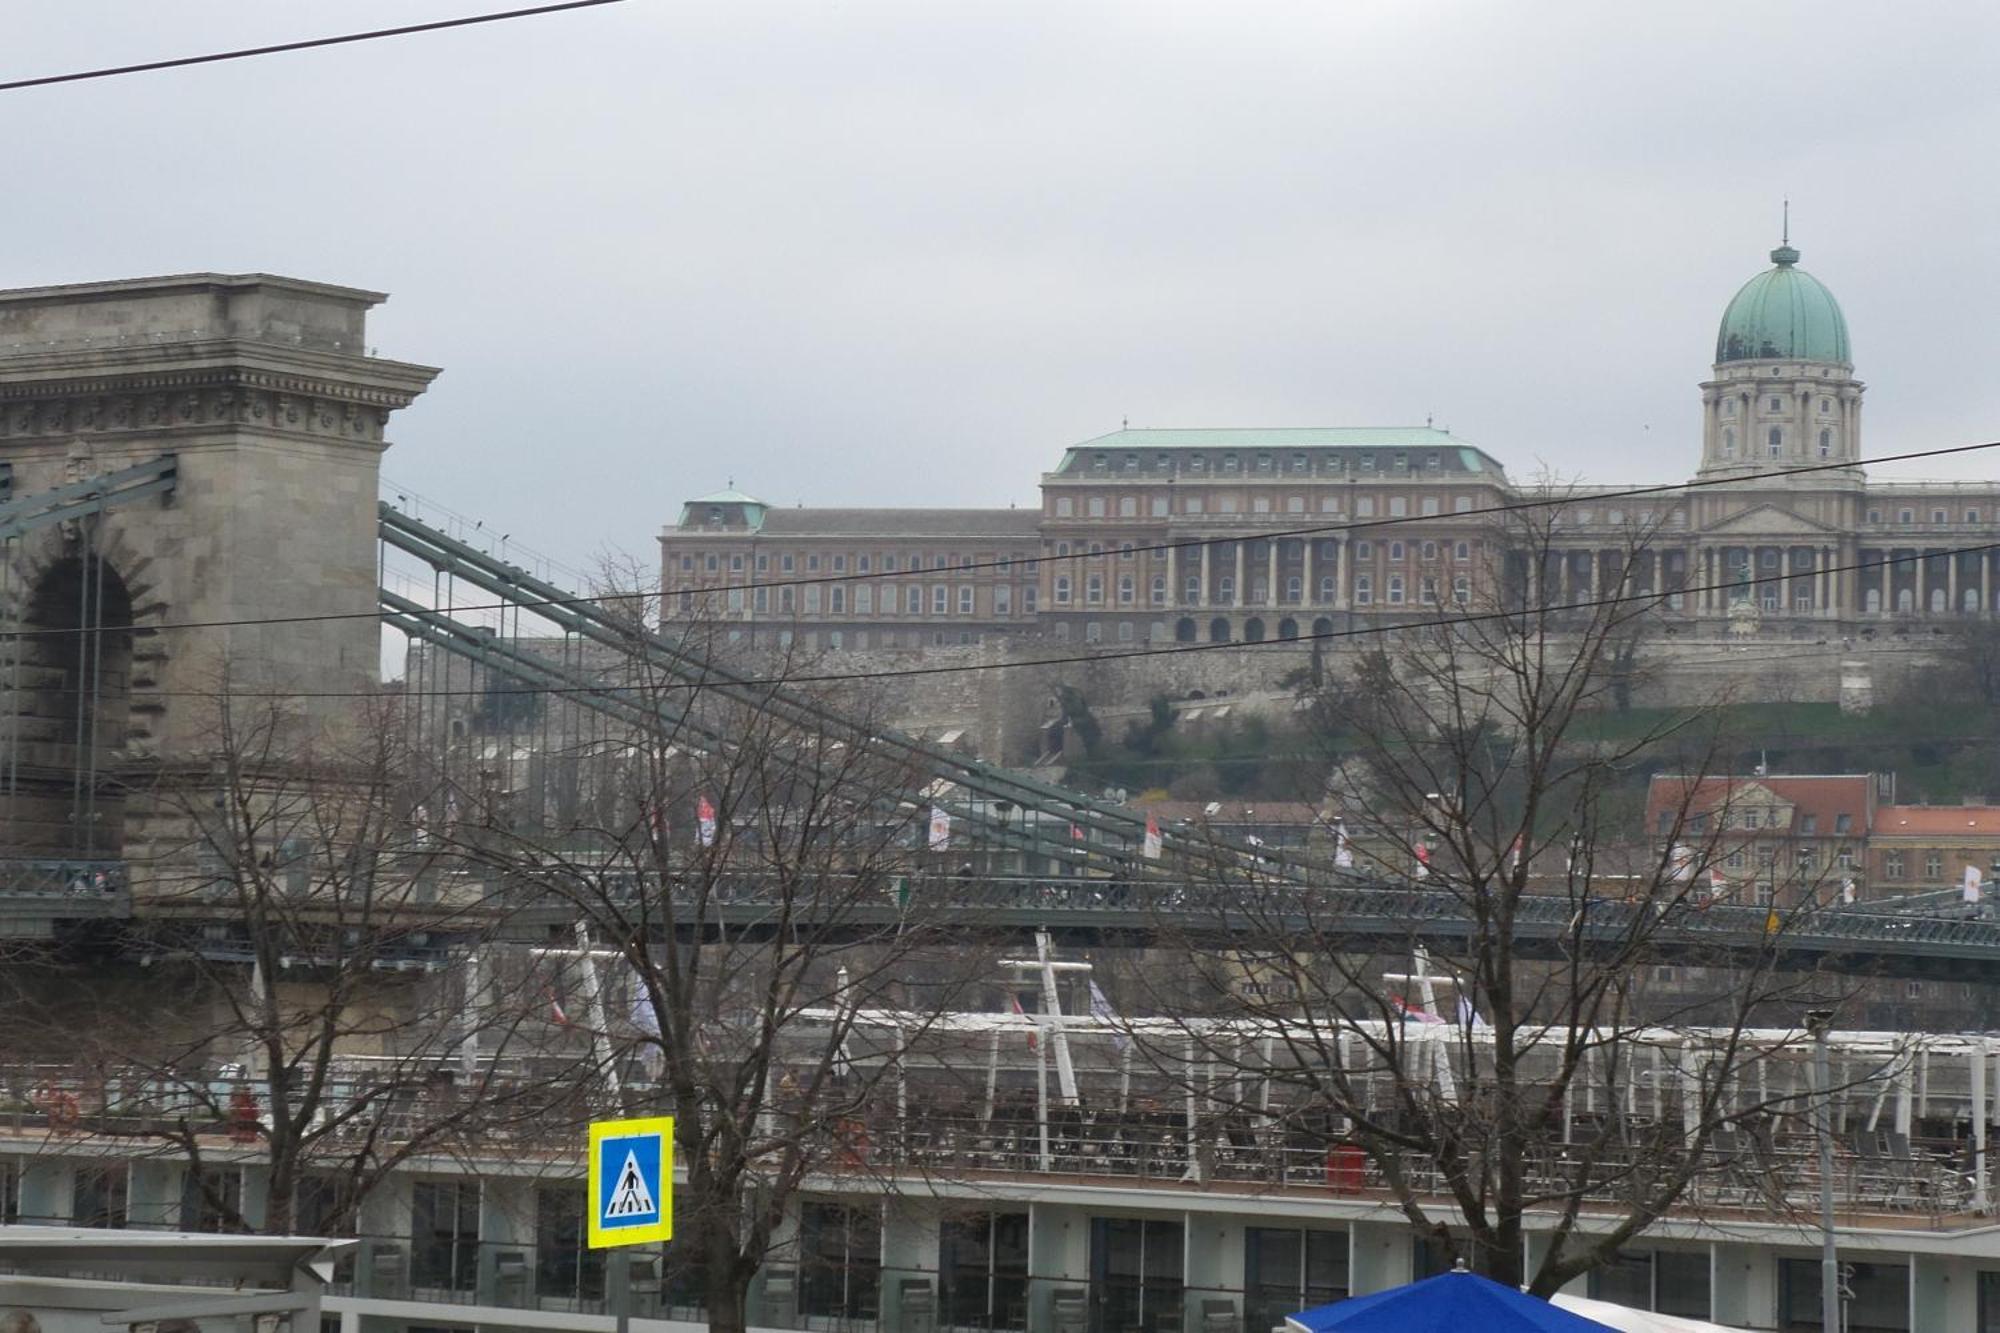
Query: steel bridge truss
{"type": "Point", "coordinates": [1057, 823]}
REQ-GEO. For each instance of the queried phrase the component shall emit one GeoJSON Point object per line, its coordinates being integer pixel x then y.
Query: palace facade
{"type": "Point", "coordinates": [1237, 534]}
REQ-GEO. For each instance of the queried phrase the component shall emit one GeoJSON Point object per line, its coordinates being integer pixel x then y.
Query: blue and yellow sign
{"type": "Point", "coordinates": [631, 1181]}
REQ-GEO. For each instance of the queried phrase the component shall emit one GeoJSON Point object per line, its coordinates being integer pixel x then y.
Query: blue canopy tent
{"type": "Point", "coordinates": [1456, 1302]}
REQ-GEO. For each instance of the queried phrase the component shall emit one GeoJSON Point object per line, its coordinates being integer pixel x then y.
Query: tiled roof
{"type": "Point", "coordinates": [727, 496]}
{"type": "Point", "coordinates": [1937, 820]}
{"type": "Point", "coordinates": [1822, 796]}
{"type": "Point", "coordinates": [905, 524]}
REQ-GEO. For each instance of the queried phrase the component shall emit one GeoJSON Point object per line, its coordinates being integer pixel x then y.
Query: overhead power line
{"type": "Point", "coordinates": [1443, 621]}
{"type": "Point", "coordinates": [245, 53]}
{"type": "Point", "coordinates": [532, 605]}
{"type": "Point", "coordinates": [1556, 499]}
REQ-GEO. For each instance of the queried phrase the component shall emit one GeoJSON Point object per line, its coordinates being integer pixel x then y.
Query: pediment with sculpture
{"type": "Point", "coordinates": [1768, 520]}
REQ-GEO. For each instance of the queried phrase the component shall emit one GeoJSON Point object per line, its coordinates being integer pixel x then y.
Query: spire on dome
{"type": "Point", "coordinates": [1784, 256]}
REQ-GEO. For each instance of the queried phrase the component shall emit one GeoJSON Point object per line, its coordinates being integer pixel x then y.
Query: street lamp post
{"type": "Point", "coordinates": [1819, 1022]}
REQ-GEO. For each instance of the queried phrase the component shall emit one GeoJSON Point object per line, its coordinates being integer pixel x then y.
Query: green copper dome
{"type": "Point", "coordinates": [1783, 314]}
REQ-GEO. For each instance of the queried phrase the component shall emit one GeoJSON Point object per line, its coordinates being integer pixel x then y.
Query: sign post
{"type": "Point", "coordinates": [631, 1194]}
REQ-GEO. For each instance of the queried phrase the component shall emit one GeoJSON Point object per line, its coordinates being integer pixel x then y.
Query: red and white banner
{"type": "Point", "coordinates": [1022, 1014]}
{"type": "Point", "coordinates": [940, 837]}
{"type": "Point", "coordinates": [704, 822]}
{"type": "Point", "coordinates": [1150, 849]}
{"type": "Point", "coordinates": [1411, 1013]}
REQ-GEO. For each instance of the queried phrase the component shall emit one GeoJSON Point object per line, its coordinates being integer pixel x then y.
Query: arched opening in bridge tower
{"type": "Point", "coordinates": [60, 784]}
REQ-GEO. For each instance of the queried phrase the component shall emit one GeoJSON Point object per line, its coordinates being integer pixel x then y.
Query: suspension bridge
{"type": "Point", "coordinates": [189, 506]}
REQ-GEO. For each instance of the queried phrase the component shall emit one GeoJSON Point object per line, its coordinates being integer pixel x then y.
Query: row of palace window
{"type": "Point", "coordinates": [1395, 590]}
{"type": "Point", "coordinates": [1269, 464]}
{"type": "Point", "coordinates": [860, 599]}
{"type": "Point", "coordinates": [1906, 517]}
{"type": "Point", "coordinates": [1287, 550]}
{"type": "Point", "coordinates": [835, 640]}
{"type": "Point", "coordinates": [1616, 517]}
{"type": "Point", "coordinates": [1777, 404]}
{"type": "Point", "coordinates": [887, 562]}
{"type": "Point", "coordinates": [1774, 442]}
{"type": "Point", "coordinates": [1158, 506]}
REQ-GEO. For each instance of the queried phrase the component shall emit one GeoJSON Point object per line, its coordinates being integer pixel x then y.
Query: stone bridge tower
{"type": "Point", "coordinates": [119, 629]}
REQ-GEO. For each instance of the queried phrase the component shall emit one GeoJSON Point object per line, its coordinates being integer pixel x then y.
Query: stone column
{"type": "Point", "coordinates": [1923, 594]}
{"type": "Point", "coordinates": [1237, 599]}
{"type": "Point", "coordinates": [1342, 549]}
{"type": "Point", "coordinates": [1308, 590]}
{"type": "Point", "coordinates": [1202, 593]}
{"type": "Point", "coordinates": [1951, 583]}
{"type": "Point", "coordinates": [1271, 579]}
{"type": "Point", "coordinates": [1986, 583]}
{"type": "Point", "coordinates": [1173, 575]}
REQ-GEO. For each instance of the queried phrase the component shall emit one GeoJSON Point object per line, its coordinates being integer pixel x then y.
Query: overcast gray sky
{"type": "Point", "coordinates": [875, 253]}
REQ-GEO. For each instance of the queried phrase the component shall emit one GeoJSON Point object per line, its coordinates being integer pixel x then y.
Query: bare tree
{"type": "Point", "coordinates": [320, 947]}
{"type": "Point", "coordinates": [760, 876]}
{"type": "Point", "coordinates": [1483, 793]}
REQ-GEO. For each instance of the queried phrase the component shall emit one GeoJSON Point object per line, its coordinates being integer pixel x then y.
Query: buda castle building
{"type": "Point", "coordinates": [1249, 535]}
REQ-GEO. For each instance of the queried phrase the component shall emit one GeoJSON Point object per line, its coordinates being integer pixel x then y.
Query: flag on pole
{"type": "Point", "coordinates": [940, 839]}
{"type": "Point", "coordinates": [1718, 885]}
{"type": "Point", "coordinates": [704, 821]}
{"type": "Point", "coordinates": [1847, 891]}
{"type": "Point", "coordinates": [1423, 862]}
{"type": "Point", "coordinates": [1015, 1000]}
{"type": "Point", "coordinates": [1150, 849]}
{"type": "Point", "coordinates": [1680, 862]}
{"type": "Point", "coordinates": [1343, 848]}
{"type": "Point", "coordinates": [556, 1012]}
{"type": "Point", "coordinates": [1076, 833]}
{"type": "Point", "coordinates": [1972, 883]}
{"type": "Point", "coordinates": [1520, 849]}
{"type": "Point", "coordinates": [1101, 1010]}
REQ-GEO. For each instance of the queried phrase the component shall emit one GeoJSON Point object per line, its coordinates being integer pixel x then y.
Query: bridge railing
{"type": "Point", "coordinates": [68, 886]}
{"type": "Point", "coordinates": [1336, 906]}
{"type": "Point", "coordinates": [1925, 1180]}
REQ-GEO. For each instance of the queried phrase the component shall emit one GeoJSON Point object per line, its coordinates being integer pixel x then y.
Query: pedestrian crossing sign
{"type": "Point", "coordinates": [631, 1189]}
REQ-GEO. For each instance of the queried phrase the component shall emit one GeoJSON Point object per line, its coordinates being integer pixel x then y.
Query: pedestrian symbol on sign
{"type": "Point", "coordinates": [631, 1187]}
{"type": "Point", "coordinates": [630, 1197]}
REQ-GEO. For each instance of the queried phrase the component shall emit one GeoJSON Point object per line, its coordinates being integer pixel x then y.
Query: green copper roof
{"type": "Point", "coordinates": [722, 502]}
{"type": "Point", "coordinates": [1272, 449]}
{"type": "Point", "coordinates": [1783, 313]}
